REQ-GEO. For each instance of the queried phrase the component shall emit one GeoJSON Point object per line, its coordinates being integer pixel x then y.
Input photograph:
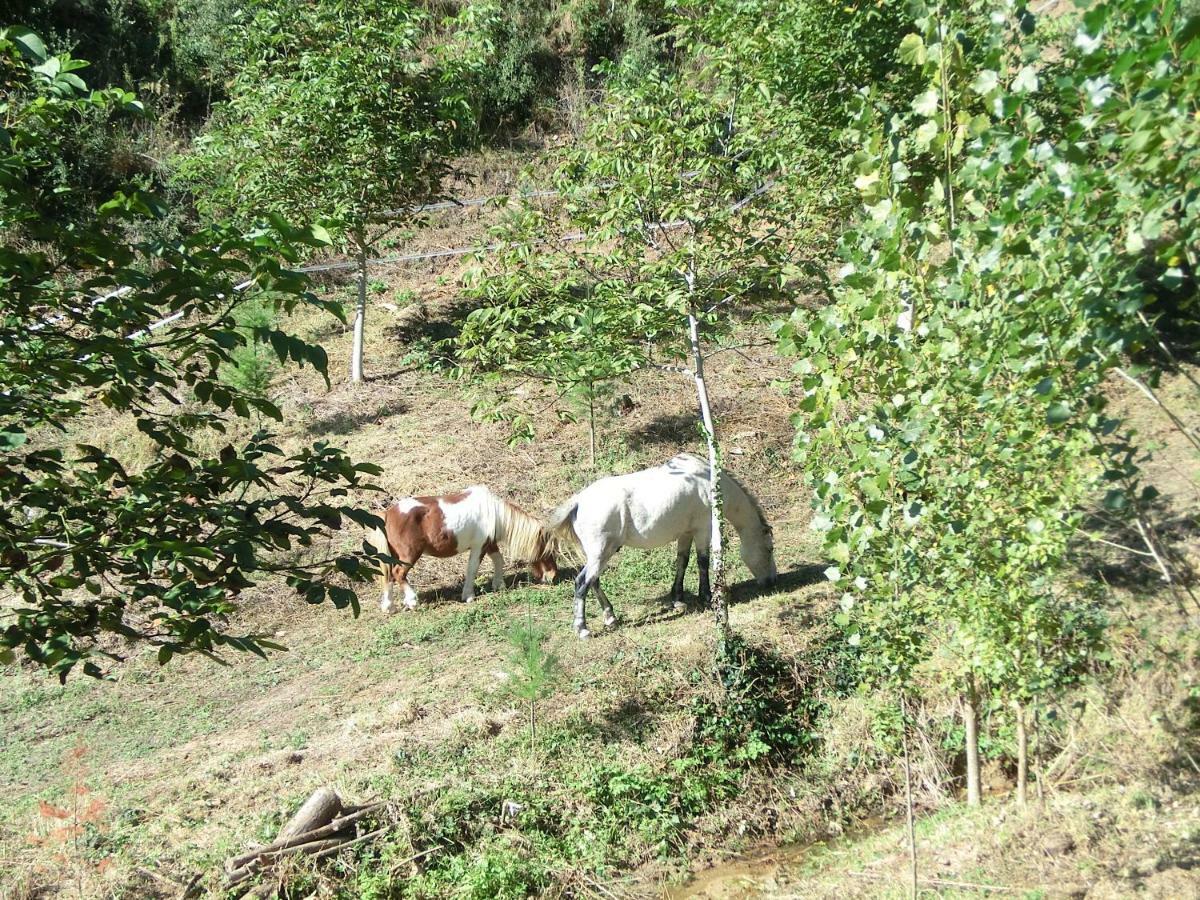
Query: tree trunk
{"type": "Point", "coordinates": [971, 721]}
{"type": "Point", "coordinates": [319, 809]}
{"type": "Point", "coordinates": [1022, 756]}
{"type": "Point", "coordinates": [908, 803]}
{"type": "Point", "coordinates": [720, 607]}
{"type": "Point", "coordinates": [360, 316]}
{"type": "Point", "coordinates": [1037, 756]}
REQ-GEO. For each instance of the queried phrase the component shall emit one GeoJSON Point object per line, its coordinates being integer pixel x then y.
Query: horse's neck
{"type": "Point", "coordinates": [740, 509]}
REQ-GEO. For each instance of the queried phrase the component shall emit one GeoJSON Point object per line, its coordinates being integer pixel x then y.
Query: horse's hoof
{"type": "Point", "coordinates": [469, 599]}
{"type": "Point", "coordinates": [679, 606]}
{"type": "Point", "coordinates": [584, 634]}
{"type": "Point", "coordinates": [611, 621]}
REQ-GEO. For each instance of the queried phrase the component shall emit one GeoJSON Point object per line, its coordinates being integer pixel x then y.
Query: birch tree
{"type": "Point", "coordinates": [682, 216]}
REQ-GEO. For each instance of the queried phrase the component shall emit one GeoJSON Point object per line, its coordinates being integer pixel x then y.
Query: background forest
{"type": "Point", "coordinates": [927, 269]}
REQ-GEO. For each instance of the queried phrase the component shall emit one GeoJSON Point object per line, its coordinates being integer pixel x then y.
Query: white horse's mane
{"type": "Point", "coordinates": [690, 462]}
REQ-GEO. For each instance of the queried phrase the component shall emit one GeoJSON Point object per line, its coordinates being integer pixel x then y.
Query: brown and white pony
{"type": "Point", "coordinates": [473, 520]}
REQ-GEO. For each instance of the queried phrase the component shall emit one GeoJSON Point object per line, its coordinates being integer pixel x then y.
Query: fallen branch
{"type": "Point", "coordinates": [261, 861]}
{"type": "Point", "coordinates": [283, 843]}
{"type": "Point", "coordinates": [342, 845]}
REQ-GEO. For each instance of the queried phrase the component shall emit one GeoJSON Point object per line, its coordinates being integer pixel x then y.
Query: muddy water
{"type": "Point", "coordinates": [770, 872]}
{"type": "Point", "coordinates": [762, 874]}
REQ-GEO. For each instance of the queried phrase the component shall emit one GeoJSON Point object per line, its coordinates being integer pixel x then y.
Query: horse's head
{"type": "Point", "coordinates": [544, 567]}
{"type": "Point", "coordinates": [759, 556]}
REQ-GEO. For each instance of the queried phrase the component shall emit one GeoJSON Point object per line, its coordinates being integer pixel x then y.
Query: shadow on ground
{"type": "Point", "coordinates": [350, 421]}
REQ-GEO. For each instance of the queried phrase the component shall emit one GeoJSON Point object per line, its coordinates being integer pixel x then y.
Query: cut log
{"type": "Point", "coordinates": [338, 824]}
{"type": "Point", "coordinates": [320, 809]}
{"type": "Point", "coordinates": [319, 829]}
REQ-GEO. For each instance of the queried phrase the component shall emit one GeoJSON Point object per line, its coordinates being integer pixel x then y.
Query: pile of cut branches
{"type": "Point", "coordinates": [322, 827]}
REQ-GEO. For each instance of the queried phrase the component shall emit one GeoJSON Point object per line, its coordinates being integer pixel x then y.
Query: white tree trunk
{"type": "Point", "coordinates": [360, 316]}
{"type": "Point", "coordinates": [913, 889]}
{"type": "Point", "coordinates": [720, 606]}
{"type": "Point", "coordinates": [971, 723]}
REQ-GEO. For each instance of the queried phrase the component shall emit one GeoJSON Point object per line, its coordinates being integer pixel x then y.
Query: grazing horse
{"type": "Point", "coordinates": [652, 508]}
{"type": "Point", "coordinates": [474, 520]}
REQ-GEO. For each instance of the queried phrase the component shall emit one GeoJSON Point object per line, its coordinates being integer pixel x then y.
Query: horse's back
{"type": "Point", "coordinates": [645, 509]}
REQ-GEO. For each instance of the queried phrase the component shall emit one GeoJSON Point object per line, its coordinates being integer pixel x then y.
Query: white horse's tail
{"type": "Point", "coordinates": [562, 520]}
{"type": "Point", "coordinates": [379, 543]}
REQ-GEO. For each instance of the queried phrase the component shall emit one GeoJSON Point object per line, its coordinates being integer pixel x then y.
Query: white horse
{"type": "Point", "coordinates": [648, 509]}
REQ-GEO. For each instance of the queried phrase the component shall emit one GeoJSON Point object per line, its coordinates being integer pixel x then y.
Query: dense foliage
{"type": "Point", "coordinates": [92, 543]}
{"type": "Point", "coordinates": [1019, 217]}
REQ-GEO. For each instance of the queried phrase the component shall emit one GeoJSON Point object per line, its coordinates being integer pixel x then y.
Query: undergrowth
{"type": "Point", "coordinates": [586, 817]}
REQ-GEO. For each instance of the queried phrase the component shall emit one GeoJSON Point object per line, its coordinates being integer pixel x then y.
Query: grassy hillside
{"type": "Point", "coordinates": [624, 793]}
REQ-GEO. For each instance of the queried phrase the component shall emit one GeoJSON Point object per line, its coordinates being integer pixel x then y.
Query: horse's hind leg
{"type": "Point", "coordinates": [682, 553]}
{"type": "Point", "coordinates": [610, 617]}
{"type": "Point", "coordinates": [705, 587]}
{"type": "Point", "coordinates": [582, 582]}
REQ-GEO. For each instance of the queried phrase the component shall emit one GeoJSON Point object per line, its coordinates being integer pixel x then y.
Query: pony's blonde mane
{"type": "Point", "coordinates": [522, 535]}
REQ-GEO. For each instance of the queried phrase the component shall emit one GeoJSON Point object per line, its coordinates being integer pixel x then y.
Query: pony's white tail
{"type": "Point", "coordinates": [379, 543]}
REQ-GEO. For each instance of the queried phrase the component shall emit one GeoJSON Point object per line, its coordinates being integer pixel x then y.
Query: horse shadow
{"type": "Point", "coordinates": [800, 575]}
{"type": "Point", "coordinates": [452, 593]}
{"type": "Point", "coordinates": [671, 429]}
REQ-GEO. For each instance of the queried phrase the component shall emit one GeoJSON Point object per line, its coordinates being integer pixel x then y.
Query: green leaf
{"type": "Point", "coordinates": [985, 82]}
{"type": "Point", "coordinates": [1026, 81]}
{"type": "Point", "coordinates": [29, 44]}
{"type": "Point", "coordinates": [1057, 413]}
{"type": "Point", "coordinates": [926, 104]}
{"type": "Point", "coordinates": [912, 50]}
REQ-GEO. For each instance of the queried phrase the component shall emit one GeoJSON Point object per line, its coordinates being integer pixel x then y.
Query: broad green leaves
{"type": "Point", "coordinates": [151, 544]}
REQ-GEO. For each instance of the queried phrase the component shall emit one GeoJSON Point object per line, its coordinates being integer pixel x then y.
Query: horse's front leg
{"type": "Point", "coordinates": [705, 587]}
{"type": "Point", "coordinates": [385, 597]}
{"type": "Point", "coordinates": [468, 591]}
{"type": "Point", "coordinates": [410, 596]}
{"type": "Point", "coordinates": [497, 570]}
{"type": "Point", "coordinates": [683, 551]}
